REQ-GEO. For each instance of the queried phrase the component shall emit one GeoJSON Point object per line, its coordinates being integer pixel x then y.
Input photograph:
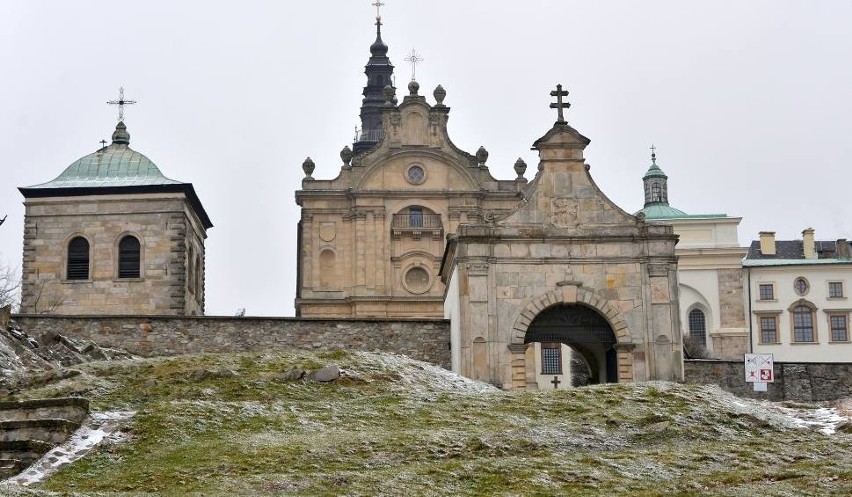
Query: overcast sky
{"type": "Point", "coordinates": [748, 103]}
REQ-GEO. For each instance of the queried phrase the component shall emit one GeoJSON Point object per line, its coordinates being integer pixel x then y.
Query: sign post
{"type": "Point", "coordinates": [759, 370]}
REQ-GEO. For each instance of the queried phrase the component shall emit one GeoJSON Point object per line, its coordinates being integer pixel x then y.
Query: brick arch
{"type": "Point", "coordinates": [570, 294]}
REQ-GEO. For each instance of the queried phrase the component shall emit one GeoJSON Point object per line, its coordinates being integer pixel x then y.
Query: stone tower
{"type": "Point", "coordinates": [379, 71]}
{"type": "Point", "coordinates": [112, 235]}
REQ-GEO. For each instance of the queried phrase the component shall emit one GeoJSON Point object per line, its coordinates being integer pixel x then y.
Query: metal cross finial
{"type": "Point", "coordinates": [378, 4]}
{"type": "Point", "coordinates": [653, 154]}
{"type": "Point", "coordinates": [103, 143]}
{"type": "Point", "coordinates": [413, 59]}
{"type": "Point", "coordinates": [559, 105]}
{"type": "Point", "coordinates": [121, 102]}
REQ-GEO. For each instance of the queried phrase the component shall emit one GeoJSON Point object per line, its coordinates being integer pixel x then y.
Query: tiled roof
{"type": "Point", "coordinates": [788, 252]}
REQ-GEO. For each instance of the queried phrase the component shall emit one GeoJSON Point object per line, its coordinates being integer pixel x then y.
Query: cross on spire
{"type": "Point", "coordinates": [559, 105]}
{"type": "Point", "coordinates": [103, 143]}
{"type": "Point", "coordinates": [653, 154]}
{"type": "Point", "coordinates": [378, 4]}
{"type": "Point", "coordinates": [121, 102]}
{"type": "Point", "coordinates": [413, 59]}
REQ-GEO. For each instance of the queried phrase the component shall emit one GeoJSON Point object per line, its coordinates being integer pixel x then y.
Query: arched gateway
{"type": "Point", "coordinates": [568, 266]}
{"type": "Point", "coordinates": [586, 332]}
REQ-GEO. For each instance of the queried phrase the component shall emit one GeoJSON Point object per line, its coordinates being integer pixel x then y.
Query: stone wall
{"type": "Point", "coordinates": [803, 382]}
{"type": "Point", "coordinates": [426, 340]}
{"type": "Point", "coordinates": [163, 223]}
{"type": "Point", "coordinates": [731, 300]}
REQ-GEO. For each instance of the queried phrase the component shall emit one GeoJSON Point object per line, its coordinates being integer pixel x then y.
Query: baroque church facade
{"type": "Point", "coordinates": [414, 227]}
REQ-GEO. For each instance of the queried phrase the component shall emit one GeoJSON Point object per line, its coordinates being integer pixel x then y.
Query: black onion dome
{"type": "Point", "coordinates": [378, 48]}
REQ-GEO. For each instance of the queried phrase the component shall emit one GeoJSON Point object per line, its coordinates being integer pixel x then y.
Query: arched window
{"type": "Point", "coordinates": [656, 192]}
{"type": "Point", "coordinates": [78, 259]}
{"type": "Point", "coordinates": [803, 324]}
{"type": "Point", "coordinates": [698, 326]}
{"type": "Point", "coordinates": [129, 257]}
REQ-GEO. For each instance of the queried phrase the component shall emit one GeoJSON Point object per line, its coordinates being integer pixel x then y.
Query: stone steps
{"type": "Point", "coordinates": [30, 428]}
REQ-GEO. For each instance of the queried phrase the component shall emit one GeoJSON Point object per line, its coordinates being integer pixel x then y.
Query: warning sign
{"type": "Point", "coordinates": [759, 368]}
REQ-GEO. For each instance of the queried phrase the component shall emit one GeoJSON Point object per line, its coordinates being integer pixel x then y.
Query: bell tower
{"type": "Point", "coordinates": [379, 71]}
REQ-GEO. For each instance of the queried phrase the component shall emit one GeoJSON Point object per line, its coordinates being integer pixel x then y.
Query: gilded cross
{"type": "Point", "coordinates": [378, 4]}
{"type": "Point", "coordinates": [559, 105]}
{"type": "Point", "coordinates": [555, 382]}
{"type": "Point", "coordinates": [121, 102]}
{"type": "Point", "coordinates": [413, 59]}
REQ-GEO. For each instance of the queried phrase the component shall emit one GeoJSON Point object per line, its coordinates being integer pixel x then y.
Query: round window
{"type": "Point", "coordinates": [417, 280]}
{"type": "Point", "coordinates": [415, 174]}
{"type": "Point", "coordinates": [801, 286]}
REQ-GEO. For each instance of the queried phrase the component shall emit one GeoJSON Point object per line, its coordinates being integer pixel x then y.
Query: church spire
{"type": "Point", "coordinates": [656, 183]}
{"type": "Point", "coordinates": [379, 71]}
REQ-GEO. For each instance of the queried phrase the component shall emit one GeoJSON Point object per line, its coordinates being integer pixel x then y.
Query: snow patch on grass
{"type": "Point", "coordinates": [420, 376]}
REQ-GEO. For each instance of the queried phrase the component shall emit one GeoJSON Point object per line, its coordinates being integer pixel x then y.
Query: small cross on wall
{"type": "Point", "coordinates": [555, 382]}
{"type": "Point", "coordinates": [559, 105]}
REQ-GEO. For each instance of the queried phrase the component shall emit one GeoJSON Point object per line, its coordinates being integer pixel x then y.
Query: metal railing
{"type": "Point", "coordinates": [416, 221]}
{"type": "Point", "coordinates": [370, 135]}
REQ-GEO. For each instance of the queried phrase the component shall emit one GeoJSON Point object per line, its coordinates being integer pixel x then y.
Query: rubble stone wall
{"type": "Point", "coordinates": [802, 382]}
{"type": "Point", "coordinates": [426, 340]}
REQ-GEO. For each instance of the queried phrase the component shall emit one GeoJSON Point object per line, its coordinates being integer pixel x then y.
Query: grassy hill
{"type": "Point", "coordinates": [239, 425]}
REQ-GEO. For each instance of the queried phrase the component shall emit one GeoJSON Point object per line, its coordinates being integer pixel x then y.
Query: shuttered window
{"type": "Point", "coordinates": [78, 259]}
{"type": "Point", "coordinates": [128, 257]}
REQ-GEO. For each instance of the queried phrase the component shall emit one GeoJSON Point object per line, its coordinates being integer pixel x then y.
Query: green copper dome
{"type": "Point", "coordinates": [662, 211]}
{"type": "Point", "coordinates": [655, 172]}
{"type": "Point", "coordinates": [114, 166]}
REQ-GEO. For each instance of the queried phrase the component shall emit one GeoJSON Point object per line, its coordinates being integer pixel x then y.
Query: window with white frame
{"type": "Point", "coordinates": [839, 327]}
{"type": "Point", "coordinates": [835, 289]}
{"type": "Point", "coordinates": [768, 329]}
{"type": "Point", "coordinates": [803, 324]}
{"type": "Point", "coordinates": [766, 291]}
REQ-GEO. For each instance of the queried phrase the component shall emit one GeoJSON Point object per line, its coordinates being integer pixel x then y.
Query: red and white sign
{"type": "Point", "coordinates": [759, 368]}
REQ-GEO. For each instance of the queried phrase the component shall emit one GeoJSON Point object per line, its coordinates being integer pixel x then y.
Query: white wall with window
{"type": "Point", "coordinates": [553, 364]}
{"type": "Point", "coordinates": [800, 312]}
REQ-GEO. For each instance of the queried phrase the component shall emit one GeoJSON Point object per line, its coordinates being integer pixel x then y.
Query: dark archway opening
{"type": "Point", "coordinates": [588, 334]}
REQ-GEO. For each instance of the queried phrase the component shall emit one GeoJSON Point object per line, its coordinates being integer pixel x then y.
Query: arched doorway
{"type": "Point", "coordinates": [587, 333]}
